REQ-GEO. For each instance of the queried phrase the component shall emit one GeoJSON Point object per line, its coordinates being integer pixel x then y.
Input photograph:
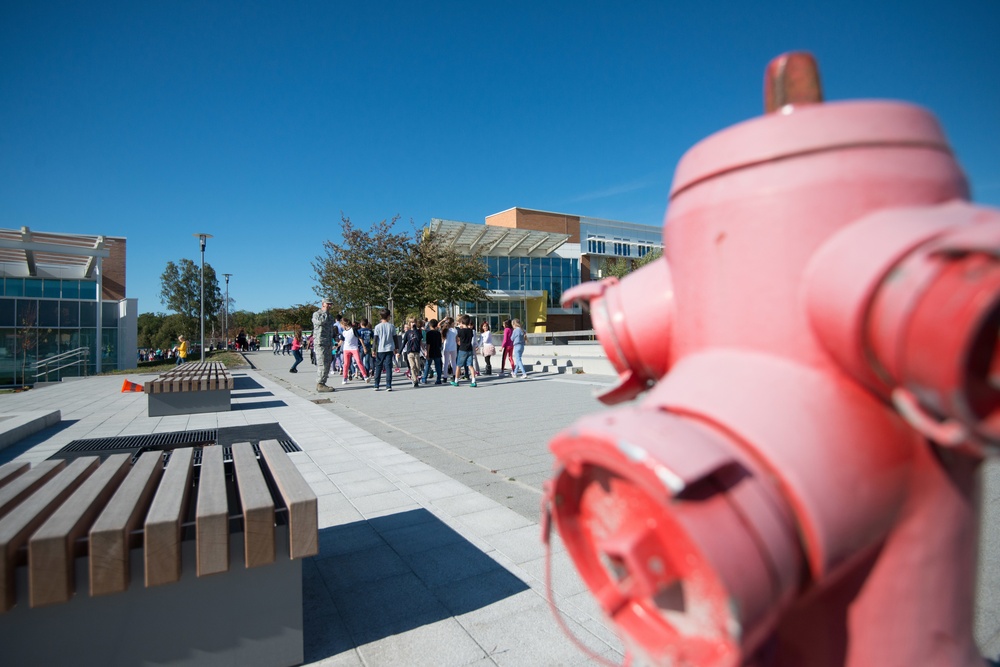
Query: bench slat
{"type": "Point", "coordinates": [299, 499]}
{"type": "Point", "coordinates": [212, 516]}
{"type": "Point", "coordinates": [258, 507]}
{"type": "Point", "coordinates": [50, 549]}
{"type": "Point", "coordinates": [109, 537]}
{"type": "Point", "coordinates": [163, 523]}
{"type": "Point", "coordinates": [17, 526]}
{"type": "Point", "coordinates": [11, 471]}
{"type": "Point", "coordinates": [24, 485]}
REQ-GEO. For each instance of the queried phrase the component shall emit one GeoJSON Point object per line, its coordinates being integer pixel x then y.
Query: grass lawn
{"type": "Point", "coordinates": [230, 359]}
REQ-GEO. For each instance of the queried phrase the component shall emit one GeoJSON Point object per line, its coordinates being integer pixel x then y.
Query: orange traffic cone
{"type": "Point", "coordinates": [131, 386]}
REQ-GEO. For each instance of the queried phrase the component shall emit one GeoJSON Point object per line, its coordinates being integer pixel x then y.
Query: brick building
{"type": "Point", "coordinates": [535, 256]}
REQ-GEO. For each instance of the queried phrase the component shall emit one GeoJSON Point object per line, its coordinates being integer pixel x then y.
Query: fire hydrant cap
{"type": "Point", "coordinates": [808, 129]}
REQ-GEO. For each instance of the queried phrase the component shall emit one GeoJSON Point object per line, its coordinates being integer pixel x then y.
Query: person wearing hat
{"type": "Point", "coordinates": [324, 325]}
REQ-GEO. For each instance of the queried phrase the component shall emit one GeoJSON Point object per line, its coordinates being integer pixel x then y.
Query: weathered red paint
{"type": "Point", "coordinates": [798, 485]}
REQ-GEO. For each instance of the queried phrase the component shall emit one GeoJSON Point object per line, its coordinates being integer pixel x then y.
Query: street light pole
{"type": "Point", "coordinates": [202, 238]}
{"type": "Point", "coordinates": [524, 296]}
{"type": "Point", "coordinates": [226, 332]}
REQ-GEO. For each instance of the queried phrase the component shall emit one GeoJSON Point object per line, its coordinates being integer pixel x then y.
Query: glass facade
{"type": "Point", "coordinates": [618, 239]}
{"type": "Point", "coordinates": [42, 317]}
{"type": "Point", "coordinates": [516, 275]}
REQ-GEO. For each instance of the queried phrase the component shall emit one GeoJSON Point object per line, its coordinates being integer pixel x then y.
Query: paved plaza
{"type": "Point", "coordinates": [430, 550]}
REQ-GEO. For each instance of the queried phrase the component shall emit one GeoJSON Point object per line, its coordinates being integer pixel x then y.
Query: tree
{"type": "Point", "coordinates": [445, 275]}
{"type": "Point", "coordinates": [180, 291]}
{"type": "Point", "coordinates": [381, 267]}
{"type": "Point", "coordinates": [367, 268]}
{"type": "Point", "coordinates": [619, 267]}
{"type": "Point", "coordinates": [296, 317]}
{"type": "Point", "coordinates": [160, 331]}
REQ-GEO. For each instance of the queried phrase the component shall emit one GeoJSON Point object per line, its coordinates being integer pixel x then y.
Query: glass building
{"type": "Point", "coordinates": [63, 305]}
{"type": "Point", "coordinates": [535, 256]}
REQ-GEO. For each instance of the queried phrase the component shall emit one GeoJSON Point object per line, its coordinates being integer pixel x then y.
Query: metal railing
{"type": "Point", "coordinates": [78, 357]}
{"type": "Point", "coordinates": [561, 337]}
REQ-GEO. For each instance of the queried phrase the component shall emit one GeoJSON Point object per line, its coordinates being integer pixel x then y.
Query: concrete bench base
{"type": "Point", "coordinates": [240, 617]}
{"type": "Point", "coordinates": [189, 402]}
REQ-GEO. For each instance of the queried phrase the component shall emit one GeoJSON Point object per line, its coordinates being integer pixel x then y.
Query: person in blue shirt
{"type": "Point", "coordinates": [518, 338]}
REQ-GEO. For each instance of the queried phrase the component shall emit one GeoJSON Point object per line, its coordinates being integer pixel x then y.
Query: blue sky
{"type": "Point", "coordinates": [260, 122]}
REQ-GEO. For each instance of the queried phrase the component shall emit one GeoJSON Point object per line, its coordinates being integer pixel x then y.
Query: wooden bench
{"type": "Point", "coordinates": [192, 562]}
{"type": "Point", "coordinates": [190, 388]}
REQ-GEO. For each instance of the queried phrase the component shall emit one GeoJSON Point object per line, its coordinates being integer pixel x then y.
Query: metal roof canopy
{"type": "Point", "coordinates": [75, 252]}
{"type": "Point", "coordinates": [468, 238]}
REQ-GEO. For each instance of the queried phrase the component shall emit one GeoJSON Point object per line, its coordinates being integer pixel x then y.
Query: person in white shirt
{"type": "Point", "coordinates": [352, 351]}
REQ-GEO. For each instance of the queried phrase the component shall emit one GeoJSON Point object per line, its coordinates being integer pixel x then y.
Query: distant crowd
{"type": "Point", "coordinates": [445, 351]}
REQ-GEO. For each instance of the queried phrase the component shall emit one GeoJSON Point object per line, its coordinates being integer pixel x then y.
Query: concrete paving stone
{"type": "Point", "coordinates": [491, 594]}
{"type": "Point", "coordinates": [444, 643]}
{"type": "Point", "coordinates": [346, 659]}
{"type": "Point", "coordinates": [443, 490]}
{"type": "Point", "coordinates": [407, 467]}
{"type": "Point", "coordinates": [522, 638]}
{"type": "Point", "coordinates": [465, 503]}
{"type": "Point", "coordinates": [324, 487]}
{"type": "Point", "coordinates": [367, 487]}
{"type": "Point", "coordinates": [426, 476]}
{"type": "Point", "coordinates": [354, 568]}
{"type": "Point", "coordinates": [390, 606]}
{"type": "Point", "coordinates": [566, 581]}
{"type": "Point", "coordinates": [451, 563]}
{"type": "Point", "coordinates": [362, 473]}
{"type": "Point", "coordinates": [492, 521]}
{"type": "Point", "coordinates": [380, 503]}
{"type": "Point", "coordinates": [333, 509]}
{"type": "Point", "coordinates": [415, 538]}
{"type": "Point", "coordinates": [520, 544]}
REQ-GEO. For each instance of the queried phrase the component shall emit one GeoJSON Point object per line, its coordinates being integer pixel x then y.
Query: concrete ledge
{"type": "Point", "coordinates": [14, 428]}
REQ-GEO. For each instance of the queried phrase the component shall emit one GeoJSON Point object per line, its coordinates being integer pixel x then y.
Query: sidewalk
{"type": "Point", "coordinates": [430, 550]}
{"type": "Point", "coordinates": [415, 567]}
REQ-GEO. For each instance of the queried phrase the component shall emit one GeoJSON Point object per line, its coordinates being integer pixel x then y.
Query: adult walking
{"type": "Point", "coordinates": [385, 348]}
{"type": "Point", "coordinates": [323, 328]}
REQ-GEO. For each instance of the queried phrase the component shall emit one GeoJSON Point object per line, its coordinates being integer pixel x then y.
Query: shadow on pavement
{"type": "Point", "coordinates": [244, 382]}
{"type": "Point", "coordinates": [254, 394]}
{"type": "Point", "coordinates": [21, 446]}
{"type": "Point", "coordinates": [258, 406]}
{"type": "Point", "coordinates": [377, 578]}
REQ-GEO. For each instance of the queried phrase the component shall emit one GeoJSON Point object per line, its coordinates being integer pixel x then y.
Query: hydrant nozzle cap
{"type": "Point", "coordinates": [791, 79]}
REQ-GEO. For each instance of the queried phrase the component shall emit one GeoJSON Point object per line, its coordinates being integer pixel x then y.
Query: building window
{"type": "Point", "coordinates": [622, 248]}
{"type": "Point", "coordinates": [596, 246]}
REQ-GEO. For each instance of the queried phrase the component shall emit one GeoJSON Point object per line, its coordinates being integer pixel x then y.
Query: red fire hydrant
{"type": "Point", "coordinates": [798, 486]}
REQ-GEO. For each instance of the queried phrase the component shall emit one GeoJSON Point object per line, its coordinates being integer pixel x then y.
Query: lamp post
{"type": "Point", "coordinates": [203, 238]}
{"type": "Point", "coordinates": [226, 332]}
{"type": "Point", "coordinates": [524, 296]}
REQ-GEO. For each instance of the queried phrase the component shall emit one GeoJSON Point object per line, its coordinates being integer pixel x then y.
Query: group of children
{"type": "Point", "coordinates": [445, 351]}
{"type": "Point", "coordinates": [453, 348]}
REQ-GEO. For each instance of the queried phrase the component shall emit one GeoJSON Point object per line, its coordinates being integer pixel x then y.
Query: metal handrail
{"type": "Point", "coordinates": [79, 356]}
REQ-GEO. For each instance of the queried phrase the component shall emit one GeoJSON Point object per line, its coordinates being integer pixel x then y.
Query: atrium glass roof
{"type": "Point", "coordinates": [29, 250]}
{"type": "Point", "coordinates": [492, 241]}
